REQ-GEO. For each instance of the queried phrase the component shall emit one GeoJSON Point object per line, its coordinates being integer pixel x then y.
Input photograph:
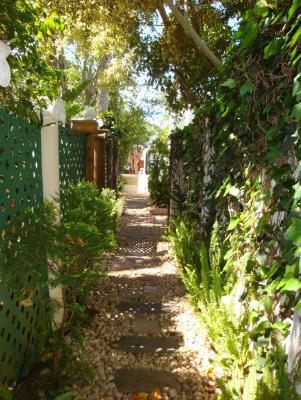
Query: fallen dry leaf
{"type": "Point", "coordinates": [27, 301]}
{"type": "Point", "coordinates": [156, 395]}
{"type": "Point", "coordinates": [140, 396]}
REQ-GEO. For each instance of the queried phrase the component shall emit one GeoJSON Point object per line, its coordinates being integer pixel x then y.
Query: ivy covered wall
{"type": "Point", "coordinates": [241, 167]}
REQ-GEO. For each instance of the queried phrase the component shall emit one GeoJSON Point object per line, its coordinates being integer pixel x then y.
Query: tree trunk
{"type": "Point", "coordinates": [61, 66]}
{"type": "Point", "coordinates": [179, 76]}
{"type": "Point", "coordinates": [89, 73]}
{"type": "Point", "coordinates": [102, 100]}
{"type": "Point", "coordinates": [163, 15]}
{"type": "Point", "coordinates": [190, 31]}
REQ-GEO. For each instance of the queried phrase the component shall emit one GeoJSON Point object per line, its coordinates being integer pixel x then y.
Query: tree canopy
{"type": "Point", "coordinates": [173, 59]}
{"type": "Point", "coordinates": [29, 33]}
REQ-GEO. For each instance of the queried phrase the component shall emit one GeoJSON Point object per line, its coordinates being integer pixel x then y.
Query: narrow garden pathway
{"type": "Point", "coordinates": [144, 340]}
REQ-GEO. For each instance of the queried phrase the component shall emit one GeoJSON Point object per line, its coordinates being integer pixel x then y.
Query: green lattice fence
{"type": "Point", "coordinates": [21, 328]}
{"type": "Point", "coordinates": [73, 154]}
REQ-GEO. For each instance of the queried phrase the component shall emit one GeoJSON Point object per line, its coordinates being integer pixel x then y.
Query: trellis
{"type": "Point", "coordinates": [102, 166]}
{"type": "Point", "coordinates": [22, 329]}
{"type": "Point", "coordinates": [72, 155]}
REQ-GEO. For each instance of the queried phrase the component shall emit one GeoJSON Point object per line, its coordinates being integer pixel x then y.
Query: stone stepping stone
{"type": "Point", "coordinates": [144, 344]}
{"type": "Point", "coordinates": [145, 380]}
{"type": "Point", "coordinates": [147, 326]}
{"type": "Point", "coordinates": [134, 298]}
{"type": "Point", "coordinates": [120, 263]}
{"type": "Point", "coordinates": [140, 308]}
{"type": "Point", "coordinates": [142, 297]}
{"type": "Point", "coordinates": [149, 289]}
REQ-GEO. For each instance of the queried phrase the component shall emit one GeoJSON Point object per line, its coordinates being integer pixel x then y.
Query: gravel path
{"type": "Point", "coordinates": [144, 341]}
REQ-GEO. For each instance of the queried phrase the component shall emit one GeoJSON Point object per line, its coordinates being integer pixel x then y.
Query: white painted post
{"type": "Point", "coordinates": [50, 157]}
{"type": "Point", "coordinates": [51, 187]}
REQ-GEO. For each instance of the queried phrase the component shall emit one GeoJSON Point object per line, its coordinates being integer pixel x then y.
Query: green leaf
{"type": "Point", "coordinates": [227, 111]}
{"type": "Point", "coordinates": [291, 284]}
{"type": "Point", "coordinates": [297, 188]}
{"type": "Point", "coordinates": [296, 60]}
{"type": "Point", "coordinates": [293, 8]}
{"type": "Point", "coordinates": [279, 172]}
{"type": "Point", "coordinates": [230, 83]}
{"type": "Point", "coordinates": [272, 287]}
{"type": "Point", "coordinates": [250, 35]}
{"type": "Point", "coordinates": [274, 268]}
{"type": "Point", "coordinates": [247, 87]}
{"type": "Point", "coordinates": [278, 16]}
{"type": "Point", "coordinates": [298, 306]}
{"type": "Point", "coordinates": [76, 91]}
{"type": "Point", "coordinates": [293, 233]}
{"type": "Point", "coordinates": [234, 221]}
{"type": "Point", "coordinates": [296, 37]}
{"type": "Point", "coordinates": [296, 87]}
{"type": "Point", "coordinates": [270, 132]}
{"type": "Point", "coordinates": [272, 48]}
{"type": "Point", "coordinates": [273, 153]}
{"type": "Point", "coordinates": [229, 254]}
{"type": "Point", "coordinates": [5, 394]}
{"type": "Point", "coordinates": [281, 325]}
{"type": "Point", "coordinates": [296, 113]}
{"type": "Point", "coordinates": [294, 53]}
{"type": "Point", "coordinates": [260, 328]}
{"type": "Point", "coordinates": [261, 8]}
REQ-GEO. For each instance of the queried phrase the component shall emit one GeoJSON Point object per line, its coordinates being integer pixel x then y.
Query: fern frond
{"type": "Point", "coordinates": [205, 270]}
{"type": "Point", "coordinates": [215, 258]}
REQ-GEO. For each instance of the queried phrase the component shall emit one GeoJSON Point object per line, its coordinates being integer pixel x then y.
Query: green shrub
{"type": "Point", "coordinates": [228, 319]}
{"type": "Point", "coordinates": [84, 202]}
{"type": "Point", "coordinates": [199, 267]}
{"type": "Point", "coordinates": [109, 198]}
{"type": "Point", "coordinates": [158, 169]}
{"type": "Point", "coordinates": [23, 252]}
{"type": "Point", "coordinates": [86, 232]}
{"type": "Point", "coordinates": [72, 249]}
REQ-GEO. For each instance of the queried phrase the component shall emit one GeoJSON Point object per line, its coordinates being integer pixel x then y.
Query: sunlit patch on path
{"type": "Point", "coordinates": [145, 341]}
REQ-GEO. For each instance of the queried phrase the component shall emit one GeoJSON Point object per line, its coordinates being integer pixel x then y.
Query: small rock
{"type": "Point", "coordinates": [173, 393]}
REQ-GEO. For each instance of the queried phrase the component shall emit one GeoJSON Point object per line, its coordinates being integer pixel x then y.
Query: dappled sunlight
{"type": "Point", "coordinates": [140, 324]}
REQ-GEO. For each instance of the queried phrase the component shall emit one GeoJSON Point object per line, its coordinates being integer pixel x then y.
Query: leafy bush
{"type": "Point", "coordinates": [86, 232]}
{"type": "Point", "coordinates": [199, 267]}
{"type": "Point", "coordinates": [228, 319]}
{"type": "Point", "coordinates": [84, 202]}
{"type": "Point", "coordinates": [74, 248]}
{"type": "Point", "coordinates": [20, 254]}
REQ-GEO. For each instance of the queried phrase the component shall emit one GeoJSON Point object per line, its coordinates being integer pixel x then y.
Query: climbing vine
{"type": "Point", "coordinates": [241, 167]}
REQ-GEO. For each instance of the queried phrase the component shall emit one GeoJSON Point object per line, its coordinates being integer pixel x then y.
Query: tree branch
{"type": "Point", "coordinates": [163, 15]}
{"type": "Point", "coordinates": [190, 31]}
